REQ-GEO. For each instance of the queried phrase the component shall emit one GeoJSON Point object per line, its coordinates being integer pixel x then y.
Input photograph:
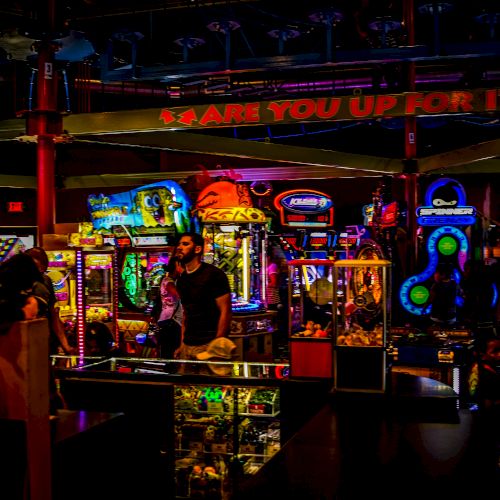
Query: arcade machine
{"type": "Point", "coordinates": [62, 271]}
{"type": "Point", "coordinates": [311, 309]}
{"type": "Point", "coordinates": [361, 325]}
{"type": "Point", "coordinates": [16, 239]}
{"type": "Point", "coordinates": [235, 241]}
{"type": "Point", "coordinates": [379, 218]}
{"type": "Point", "coordinates": [308, 215]}
{"type": "Point", "coordinates": [96, 282]}
{"type": "Point", "coordinates": [443, 353]}
{"type": "Point", "coordinates": [142, 224]}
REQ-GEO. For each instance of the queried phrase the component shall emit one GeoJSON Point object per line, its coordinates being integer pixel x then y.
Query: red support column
{"type": "Point", "coordinates": [46, 123]}
{"type": "Point", "coordinates": [411, 175]}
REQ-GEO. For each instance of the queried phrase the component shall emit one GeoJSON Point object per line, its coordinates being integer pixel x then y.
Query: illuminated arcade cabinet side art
{"type": "Point", "coordinates": [142, 224]}
{"type": "Point", "coordinates": [445, 210]}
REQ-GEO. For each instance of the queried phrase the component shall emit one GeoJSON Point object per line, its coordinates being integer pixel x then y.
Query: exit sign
{"type": "Point", "coordinates": [15, 207]}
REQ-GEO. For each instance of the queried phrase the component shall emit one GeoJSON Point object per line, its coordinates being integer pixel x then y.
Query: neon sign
{"type": "Point", "coordinates": [445, 204]}
{"type": "Point", "coordinates": [446, 241]}
{"type": "Point", "coordinates": [304, 208]}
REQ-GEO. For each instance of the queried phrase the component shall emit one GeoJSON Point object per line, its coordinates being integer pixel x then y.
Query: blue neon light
{"type": "Point", "coordinates": [447, 207]}
{"type": "Point", "coordinates": [426, 274]}
{"type": "Point", "coordinates": [456, 186]}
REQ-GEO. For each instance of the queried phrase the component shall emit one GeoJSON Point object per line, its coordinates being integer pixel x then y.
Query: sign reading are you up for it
{"type": "Point", "coordinates": [353, 107]}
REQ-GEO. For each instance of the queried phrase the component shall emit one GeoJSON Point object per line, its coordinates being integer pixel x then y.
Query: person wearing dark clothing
{"type": "Point", "coordinates": [99, 340]}
{"type": "Point", "coordinates": [205, 296]}
{"type": "Point", "coordinates": [442, 298]}
{"type": "Point", "coordinates": [18, 275]}
{"type": "Point", "coordinates": [477, 290]}
{"type": "Point", "coordinates": [43, 289]}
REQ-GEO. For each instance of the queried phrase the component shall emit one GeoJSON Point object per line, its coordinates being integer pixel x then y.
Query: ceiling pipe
{"type": "Point", "coordinates": [243, 88]}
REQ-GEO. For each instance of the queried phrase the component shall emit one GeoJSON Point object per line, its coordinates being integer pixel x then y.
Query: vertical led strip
{"type": "Point", "coordinates": [80, 306]}
{"type": "Point", "coordinates": [114, 296]}
{"type": "Point", "coordinates": [246, 268]}
{"type": "Point", "coordinates": [263, 270]}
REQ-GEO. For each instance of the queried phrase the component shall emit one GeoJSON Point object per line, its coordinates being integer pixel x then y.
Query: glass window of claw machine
{"type": "Point", "coordinates": [96, 290]}
{"type": "Point", "coordinates": [312, 302]}
{"type": "Point", "coordinates": [362, 323]}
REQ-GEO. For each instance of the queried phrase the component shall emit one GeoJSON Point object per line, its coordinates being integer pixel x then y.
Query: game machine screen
{"type": "Point", "coordinates": [140, 276]}
{"type": "Point", "coordinates": [235, 241]}
{"type": "Point", "coordinates": [142, 224]}
{"type": "Point", "coordinates": [309, 214]}
{"type": "Point", "coordinates": [14, 240]}
{"type": "Point", "coordinates": [443, 221]}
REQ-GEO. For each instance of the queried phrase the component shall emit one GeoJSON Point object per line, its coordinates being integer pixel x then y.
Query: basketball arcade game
{"type": "Point", "coordinates": [235, 241]}
{"type": "Point", "coordinates": [142, 224]}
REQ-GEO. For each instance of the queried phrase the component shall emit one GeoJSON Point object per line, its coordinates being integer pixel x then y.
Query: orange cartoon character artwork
{"type": "Point", "coordinates": [226, 201]}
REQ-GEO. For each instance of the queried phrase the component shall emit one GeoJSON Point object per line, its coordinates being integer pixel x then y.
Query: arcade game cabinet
{"type": "Point", "coordinates": [444, 351]}
{"type": "Point", "coordinates": [142, 224]}
{"type": "Point", "coordinates": [235, 241]}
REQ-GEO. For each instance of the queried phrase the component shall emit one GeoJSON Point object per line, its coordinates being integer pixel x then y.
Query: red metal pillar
{"type": "Point", "coordinates": [45, 123]}
{"type": "Point", "coordinates": [411, 174]}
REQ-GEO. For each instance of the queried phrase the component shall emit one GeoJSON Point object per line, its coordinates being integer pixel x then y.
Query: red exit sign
{"type": "Point", "coordinates": [15, 207]}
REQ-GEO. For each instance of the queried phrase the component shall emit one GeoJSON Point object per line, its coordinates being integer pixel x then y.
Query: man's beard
{"type": "Point", "coordinates": [187, 258]}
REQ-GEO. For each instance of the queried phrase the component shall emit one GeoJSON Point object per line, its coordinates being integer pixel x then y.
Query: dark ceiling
{"type": "Point", "coordinates": [123, 55]}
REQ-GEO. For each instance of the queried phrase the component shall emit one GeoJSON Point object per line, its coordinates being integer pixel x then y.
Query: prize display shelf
{"type": "Point", "coordinates": [209, 431]}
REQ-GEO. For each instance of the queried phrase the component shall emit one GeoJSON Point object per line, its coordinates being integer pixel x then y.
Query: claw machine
{"type": "Point", "coordinates": [312, 302]}
{"type": "Point", "coordinates": [362, 324]}
{"type": "Point", "coordinates": [89, 269]}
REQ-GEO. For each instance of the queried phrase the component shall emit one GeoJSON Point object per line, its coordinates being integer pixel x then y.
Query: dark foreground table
{"type": "Point", "coordinates": [412, 443]}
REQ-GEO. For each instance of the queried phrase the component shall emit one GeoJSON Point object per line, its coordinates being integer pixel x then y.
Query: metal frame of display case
{"type": "Point", "coordinates": [362, 325]}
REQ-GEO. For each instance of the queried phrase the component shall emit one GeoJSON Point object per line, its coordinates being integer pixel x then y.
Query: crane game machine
{"type": "Point", "coordinates": [235, 241]}
{"type": "Point", "coordinates": [142, 224]}
{"type": "Point", "coordinates": [443, 220]}
{"type": "Point", "coordinates": [311, 286]}
{"type": "Point", "coordinates": [84, 271]}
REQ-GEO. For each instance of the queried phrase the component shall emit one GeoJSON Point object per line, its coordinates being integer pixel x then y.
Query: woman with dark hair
{"type": "Point", "coordinates": [43, 289]}
{"type": "Point", "coordinates": [18, 275]}
{"type": "Point", "coordinates": [167, 311]}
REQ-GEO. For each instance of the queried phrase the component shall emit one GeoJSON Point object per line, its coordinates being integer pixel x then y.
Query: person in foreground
{"type": "Point", "coordinates": [205, 297]}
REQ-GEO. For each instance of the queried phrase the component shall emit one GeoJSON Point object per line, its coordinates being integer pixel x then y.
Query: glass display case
{"type": "Point", "coordinates": [361, 325]}
{"type": "Point", "coordinates": [223, 428]}
{"type": "Point", "coordinates": [312, 304]}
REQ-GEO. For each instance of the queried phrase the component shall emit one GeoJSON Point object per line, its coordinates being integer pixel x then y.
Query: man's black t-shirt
{"type": "Point", "coordinates": [199, 291]}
